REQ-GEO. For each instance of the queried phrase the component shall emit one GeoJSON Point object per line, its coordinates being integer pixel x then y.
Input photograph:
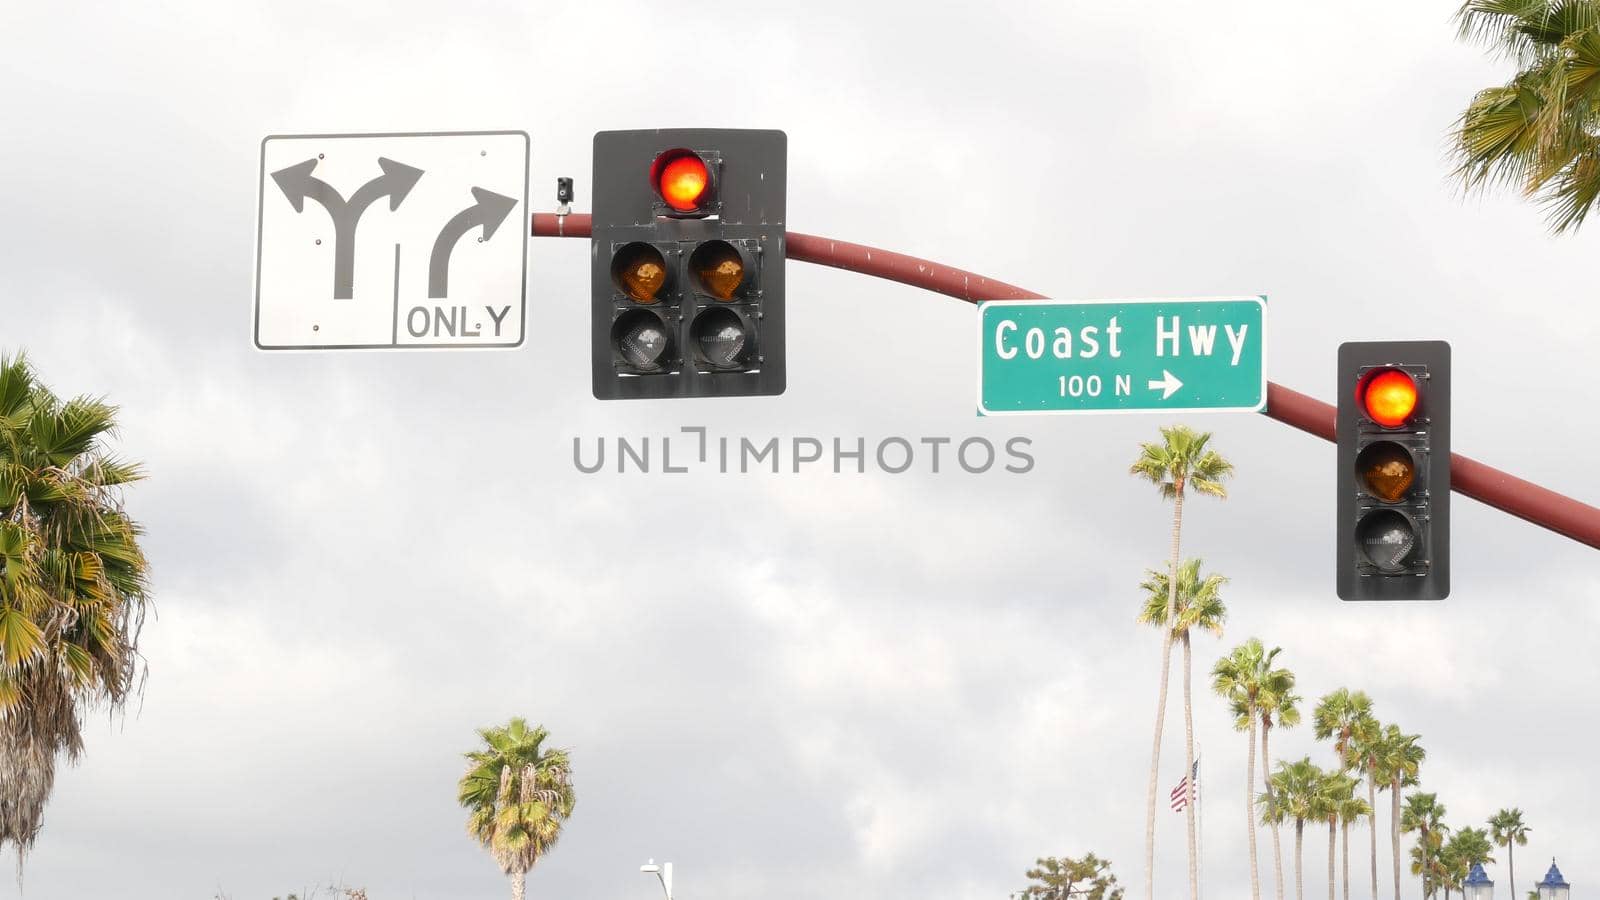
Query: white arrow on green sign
{"type": "Point", "coordinates": [1101, 356]}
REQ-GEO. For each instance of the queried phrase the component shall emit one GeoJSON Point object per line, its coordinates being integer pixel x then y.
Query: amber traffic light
{"type": "Point", "coordinates": [1386, 470]}
{"type": "Point", "coordinates": [639, 271]}
{"type": "Point", "coordinates": [1393, 506]}
{"type": "Point", "coordinates": [688, 242]}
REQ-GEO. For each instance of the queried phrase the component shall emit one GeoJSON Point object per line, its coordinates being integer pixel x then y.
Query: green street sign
{"type": "Point", "coordinates": [1106, 356]}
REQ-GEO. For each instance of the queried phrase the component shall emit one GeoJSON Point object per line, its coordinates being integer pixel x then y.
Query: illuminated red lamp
{"type": "Point", "coordinates": [682, 179]}
{"type": "Point", "coordinates": [1388, 397]}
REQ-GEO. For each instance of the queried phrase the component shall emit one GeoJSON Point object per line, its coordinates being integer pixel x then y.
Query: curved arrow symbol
{"type": "Point", "coordinates": [298, 184]}
{"type": "Point", "coordinates": [1168, 385]}
{"type": "Point", "coordinates": [490, 210]}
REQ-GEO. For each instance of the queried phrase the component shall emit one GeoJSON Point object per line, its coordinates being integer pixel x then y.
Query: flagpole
{"type": "Point", "coordinates": [1199, 814]}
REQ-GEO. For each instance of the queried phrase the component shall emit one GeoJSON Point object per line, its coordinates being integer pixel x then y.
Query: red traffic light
{"type": "Point", "coordinates": [682, 180]}
{"type": "Point", "coordinates": [1388, 397]}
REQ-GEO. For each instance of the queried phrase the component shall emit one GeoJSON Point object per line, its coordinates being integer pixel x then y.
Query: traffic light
{"type": "Point", "coordinates": [688, 252]}
{"type": "Point", "coordinates": [1394, 470]}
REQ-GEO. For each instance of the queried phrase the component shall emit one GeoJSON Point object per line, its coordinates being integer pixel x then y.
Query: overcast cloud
{"type": "Point", "coordinates": [791, 686]}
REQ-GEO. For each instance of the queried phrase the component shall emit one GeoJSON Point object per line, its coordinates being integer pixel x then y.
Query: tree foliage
{"type": "Point", "coordinates": [1182, 460]}
{"type": "Point", "coordinates": [1065, 878]}
{"type": "Point", "coordinates": [1540, 131]}
{"type": "Point", "coordinates": [73, 587]}
{"type": "Point", "coordinates": [1199, 600]}
{"type": "Point", "coordinates": [518, 795]}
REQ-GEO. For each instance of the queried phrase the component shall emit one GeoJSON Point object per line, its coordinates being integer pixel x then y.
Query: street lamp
{"type": "Point", "coordinates": [664, 873]}
{"type": "Point", "coordinates": [1554, 887]}
{"type": "Point", "coordinates": [1477, 886]}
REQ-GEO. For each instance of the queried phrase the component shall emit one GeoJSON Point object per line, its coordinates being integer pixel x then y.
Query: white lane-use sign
{"type": "Point", "coordinates": [392, 241]}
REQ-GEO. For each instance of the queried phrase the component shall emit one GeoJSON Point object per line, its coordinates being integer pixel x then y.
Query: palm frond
{"type": "Point", "coordinates": [1538, 131]}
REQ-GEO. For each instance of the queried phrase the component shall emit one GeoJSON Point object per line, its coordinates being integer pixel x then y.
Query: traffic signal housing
{"type": "Point", "coordinates": [1394, 470]}
{"type": "Point", "coordinates": [688, 258]}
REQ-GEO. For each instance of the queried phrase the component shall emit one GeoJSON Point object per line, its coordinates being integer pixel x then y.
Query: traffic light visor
{"type": "Point", "coordinates": [681, 178]}
{"type": "Point", "coordinates": [1388, 397]}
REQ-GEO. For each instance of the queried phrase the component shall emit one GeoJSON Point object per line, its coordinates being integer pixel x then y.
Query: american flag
{"type": "Point", "coordinates": [1187, 787]}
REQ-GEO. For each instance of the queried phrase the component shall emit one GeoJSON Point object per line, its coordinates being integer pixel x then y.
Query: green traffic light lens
{"type": "Point", "coordinates": [721, 338]}
{"type": "Point", "coordinates": [1388, 539]}
{"type": "Point", "coordinates": [640, 339]}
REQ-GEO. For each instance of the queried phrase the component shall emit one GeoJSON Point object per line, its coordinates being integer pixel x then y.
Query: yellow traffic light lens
{"type": "Point", "coordinates": [639, 271]}
{"type": "Point", "coordinates": [718, 267]}
{"type": "Point", "coordinates": [1388, 539]}
{"type": "Point", "coordinates": [681, 178]}
{"type": "Point", "coordinates": [1387, 470]}
{"type": "Point", "coordinates": [1389, 397]}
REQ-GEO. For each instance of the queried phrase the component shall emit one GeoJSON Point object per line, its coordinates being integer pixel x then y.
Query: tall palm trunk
{"type": "Point", "coordinates": [1277, 845]}
{"type": "Point", "coordinates": [1345, 828]}
{"type": "Point", "coordinates": [1427, 883]}
{"type": "Point", "coordinates": [1188, 768]}
{"type": "Point", "coordinates": [1250, 809]}
{"type": "Point", "coordinates": [1511, 863]}
{"type": "Point", "coordinates": [1394, 831]}
{"type": "Point", "coordinates": [1372, 829]}
{"type": "Point", "coordinates": [1333, 832]}
{"type": "Point", "coordinates": [519, 885]}
{"type": "Point", "coordinates": [1155, 767]}
{"type": "Point", "coordinates": [1161, 707]}
{"type": "Point", "coordinates": [1299, 859]}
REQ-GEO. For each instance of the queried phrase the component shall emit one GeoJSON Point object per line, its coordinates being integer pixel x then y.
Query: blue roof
{"type": "Point", "coordinates": [1553, 877]}
{"type": "Point", "coordinates": [1477, 876]}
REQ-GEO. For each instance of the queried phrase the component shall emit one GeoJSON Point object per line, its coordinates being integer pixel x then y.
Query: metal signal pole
{"type": "Point", "coordinates": [1506, 492]}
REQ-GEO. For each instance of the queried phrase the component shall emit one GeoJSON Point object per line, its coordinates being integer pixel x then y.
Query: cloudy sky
{"type": "Point", "coordinates": [792, 686]}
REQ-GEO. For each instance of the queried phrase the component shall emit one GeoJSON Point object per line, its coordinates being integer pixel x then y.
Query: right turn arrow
{"type": "Point", "coordinates": [490, 210]}
{"type": "Point", "coordinates": [1168, 385]}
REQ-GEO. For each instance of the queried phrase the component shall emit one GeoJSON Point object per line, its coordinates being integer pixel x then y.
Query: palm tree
{"type": "Point", "coordinates": [1241, 676]}
{"type": "Point", "coordinates": [1296, 788]}
{"type": "Point", "coordinates": [1432, 865]}
{"type": "Point", "coordinates": [1199, 606]}
{"type": "Point", "coordinates": [1399, 764]}
{"type": "Point", "coordinates": [1351, 809]}
{"type": "Point", "coordinates": [1274, 812]}
{"type": "Point", "coordinates": [1540, 131]}
{"type": "Point", "coordinates": [1424, 814]}
{"type": "Point", "coordinates": [1468, 847]}
{"type": "Point", "coordinates": [1333, 791]}
{"type": "Point", "coordinates": [1179, 463]}
{"type": "Point", "coordinates": [73, 587]}
{"type": "Point", "coordinates": [1366, 749]}
{"type": "Point", "coordinates": [1339, 715]}
{"type": "Point", "coordinates": [1510, 831]}
{"type": "Point", "coordinates": [1452, 869]}
{"type": "Point", "coordinates": [518, 794]}
{"type": "Point", "coordinates": [1346, 717]}
{"type": "Point", "coordinates": [1280, 707]}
